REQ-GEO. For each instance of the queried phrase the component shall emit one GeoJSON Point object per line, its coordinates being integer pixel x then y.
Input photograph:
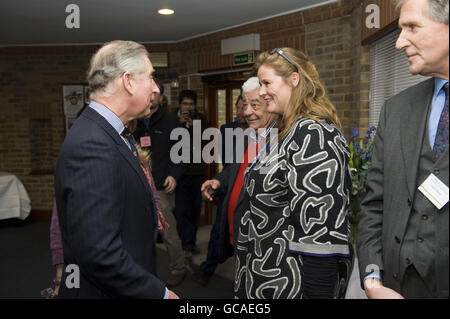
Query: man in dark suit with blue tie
{"type": "Point", "coordinates": [402, 237]}
{"type": "Point", "coordinates": [106, 210]}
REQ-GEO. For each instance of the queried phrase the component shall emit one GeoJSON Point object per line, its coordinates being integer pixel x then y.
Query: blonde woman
{"type": "Point", "coordinates": [293, 240]}
{"type": "Point", "coordinates": [145, 161]}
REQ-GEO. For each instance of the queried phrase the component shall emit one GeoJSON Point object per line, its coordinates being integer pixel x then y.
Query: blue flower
{"type": "Point", "coordinates": [360, 161]}
{"type": "Point", "coordinates": [370, 131]}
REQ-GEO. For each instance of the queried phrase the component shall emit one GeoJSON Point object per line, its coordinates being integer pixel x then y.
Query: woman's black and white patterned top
{"type": "Point", "coordinates": [298, 198]}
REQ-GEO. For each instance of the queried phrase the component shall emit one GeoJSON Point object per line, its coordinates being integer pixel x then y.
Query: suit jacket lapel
{"type": "Point", "coordinates": [125, 151]}
{"type": "Point", "coordinates": [121, 146]}
{"type": "Point", "coordinates": [412, 131]}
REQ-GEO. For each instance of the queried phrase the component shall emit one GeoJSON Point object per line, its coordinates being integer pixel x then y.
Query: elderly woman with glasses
{"type": "Point", "coordinates": [293, 240]}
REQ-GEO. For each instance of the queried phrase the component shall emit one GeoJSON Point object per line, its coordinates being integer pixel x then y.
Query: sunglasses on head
{"type": "Point", "coordinates": [284, 56]}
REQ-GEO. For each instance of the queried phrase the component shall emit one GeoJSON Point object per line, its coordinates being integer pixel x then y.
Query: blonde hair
{"type": "Point", "coordinates": [144, 155]}
{"type": "Point", "coordinates": [308, 98]}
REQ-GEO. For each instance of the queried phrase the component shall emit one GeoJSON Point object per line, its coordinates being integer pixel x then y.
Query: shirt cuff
{"type": "Point", "coordinates": [374, 274]}
{"type": "Point", "coordinates": [166, 295]}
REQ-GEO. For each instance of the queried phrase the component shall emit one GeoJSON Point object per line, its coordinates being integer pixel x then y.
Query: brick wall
{"type": "Point", "coordinates": [32, 125]}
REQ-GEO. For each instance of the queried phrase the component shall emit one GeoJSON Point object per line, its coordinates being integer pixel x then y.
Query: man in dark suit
{"type": "Point", "coordinates": [106, 210]}
{"type": "Point", "coordinates": [229, 183]}
{"type": "Point", "coordinates": [402, 237]}
{"type": "Point", "coordinates": [215, 254]}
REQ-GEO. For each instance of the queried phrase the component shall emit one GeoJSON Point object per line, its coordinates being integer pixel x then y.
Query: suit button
{"type": "Point", "coordinates": [420, 239]}
{"type": "Point", "coordinates": [436, 171]}
{"type": "Point", "coordinates": [397, 239]}
{"type": "Point", "coordinates": [409, 202]}
{"type": "Point", "coordinates": [425, 217]}
{"type": "Point", "coordinates": [408, 261]}
{"type": "Point", "coordinates": [395, 276]}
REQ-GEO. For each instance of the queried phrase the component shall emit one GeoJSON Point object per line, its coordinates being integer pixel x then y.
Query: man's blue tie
{"type": "Point", "coordinates": [127, 134]}
{"type": "Point", "coordinates": [441, 141]}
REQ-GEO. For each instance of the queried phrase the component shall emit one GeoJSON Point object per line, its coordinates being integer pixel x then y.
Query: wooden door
{"type": "Point", "coordinates": [221, 93]}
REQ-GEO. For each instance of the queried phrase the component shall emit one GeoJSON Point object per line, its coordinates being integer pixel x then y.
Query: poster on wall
{"type": "Point", "coordinates": [73, 99]}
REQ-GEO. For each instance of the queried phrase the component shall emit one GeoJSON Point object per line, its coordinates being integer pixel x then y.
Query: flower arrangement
{"type": "Point", "coordinates": [360, 161]}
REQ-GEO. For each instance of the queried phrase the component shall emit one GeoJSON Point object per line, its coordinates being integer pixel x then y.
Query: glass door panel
{"type": "Point", "coordinates": [235, 94]}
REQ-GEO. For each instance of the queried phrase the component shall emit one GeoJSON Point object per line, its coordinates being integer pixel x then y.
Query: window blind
{"type": "Point", "coordinates": [389, 73]}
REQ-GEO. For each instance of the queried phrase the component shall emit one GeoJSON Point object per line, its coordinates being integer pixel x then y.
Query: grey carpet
{"type": "Point", "coordinates": [26, 267]}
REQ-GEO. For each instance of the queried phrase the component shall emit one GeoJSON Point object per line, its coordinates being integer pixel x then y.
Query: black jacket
{"type": "Point", "coordinates": [106, 214]}
{"type": "Point", "coordinates": [158, 127]}
{"type": "Point", "coordinates": [195, 168]}
{"type": "Point", "coordinates": [227, 177]}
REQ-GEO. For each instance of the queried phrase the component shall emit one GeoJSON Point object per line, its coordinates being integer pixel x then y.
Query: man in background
{"type": "Point", "coordinates": [229, 183]}
{"type": "Point", "coordinates": [215, 254]}
{"type": "Point", "coordinates": [188, 197]}
{"type": "Point", "coordinates": [402, 237]}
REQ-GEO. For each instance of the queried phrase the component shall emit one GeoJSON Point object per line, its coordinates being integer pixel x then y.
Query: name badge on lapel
{"type": "Point", "coordinates": [435, 190]}
{"type": "Point", "coordinates": [146, 141]}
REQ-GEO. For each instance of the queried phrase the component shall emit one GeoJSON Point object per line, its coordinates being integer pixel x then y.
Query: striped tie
{"type": "Point", "coordinates": [127, 134]}
{"type": "Point", "coordinates": [441, 141]}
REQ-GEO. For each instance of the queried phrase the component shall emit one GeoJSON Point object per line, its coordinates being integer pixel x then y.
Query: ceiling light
{"type": "Point", "coordinates": [166, 11]}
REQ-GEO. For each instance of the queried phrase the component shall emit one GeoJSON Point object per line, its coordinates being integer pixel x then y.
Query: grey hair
{"type": "Point", "coordinates": [437, 9]}
{"type": "Point", "coordinates": [111, 61]}
{"type": "Point", "coordinates": [250, 85]}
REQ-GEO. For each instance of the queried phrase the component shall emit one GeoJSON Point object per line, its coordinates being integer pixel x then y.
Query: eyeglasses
{"type": "Point", "coordinates": [284, 56]}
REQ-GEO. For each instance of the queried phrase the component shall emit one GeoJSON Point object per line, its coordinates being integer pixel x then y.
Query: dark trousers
{"type": "Point", "coordinates": [212, 258]}
{"type": "Point", "coordinates": [188, 205]}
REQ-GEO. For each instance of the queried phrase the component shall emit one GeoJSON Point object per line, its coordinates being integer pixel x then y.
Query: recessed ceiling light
{"type": "Point", "coordinates": [166, 11]}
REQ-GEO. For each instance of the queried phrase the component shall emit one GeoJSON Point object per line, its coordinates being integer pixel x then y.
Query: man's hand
{"type": "Point", "coordinates": [172, 295]}
{"type": "Point", "coordinates": [169, 184]}
{"type": "Point", "coordinates": [375, 290]}
{"type": "Point", "coordinates": [209, 188]}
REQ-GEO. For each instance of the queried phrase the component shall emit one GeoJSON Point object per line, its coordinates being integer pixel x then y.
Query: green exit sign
{"type": "Point", "coordinates": [244, 58]}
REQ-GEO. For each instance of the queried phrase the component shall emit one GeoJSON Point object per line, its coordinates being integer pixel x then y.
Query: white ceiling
{"type": "Point", "coordinates": [42, 22]}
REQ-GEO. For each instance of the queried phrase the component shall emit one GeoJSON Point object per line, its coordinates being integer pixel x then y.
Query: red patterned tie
{"type": "Point", "coordinates": [441, 141]}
